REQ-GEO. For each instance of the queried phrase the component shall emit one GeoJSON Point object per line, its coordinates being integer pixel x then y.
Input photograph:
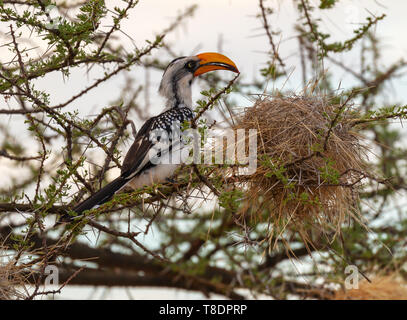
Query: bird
{"type": "Point", "coordinates": [146, 162]}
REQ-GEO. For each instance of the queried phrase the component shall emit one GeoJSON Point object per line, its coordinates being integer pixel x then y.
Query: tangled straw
{"type": "Point", "coordinates": [311, 163]}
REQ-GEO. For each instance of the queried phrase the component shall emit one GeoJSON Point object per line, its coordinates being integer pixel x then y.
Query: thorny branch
{"type": "Point", "coordinates": [269, 34]}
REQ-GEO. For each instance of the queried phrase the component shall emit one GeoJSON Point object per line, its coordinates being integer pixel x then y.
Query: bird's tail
{"type": "Point", "coordinates": [97, 199]}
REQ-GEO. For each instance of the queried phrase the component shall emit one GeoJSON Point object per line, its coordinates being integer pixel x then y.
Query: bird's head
{"type": "Point", "coordinates": [178, 76]}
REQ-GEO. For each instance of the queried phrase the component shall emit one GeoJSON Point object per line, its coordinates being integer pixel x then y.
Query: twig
{"type": "Point", "coordinates": [211, 101]}
{"type": "Point", "coordinates": [269, 34]}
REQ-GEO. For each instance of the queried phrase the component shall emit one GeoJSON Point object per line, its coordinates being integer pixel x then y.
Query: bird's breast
{"type": "Point", "coordinates": [164, 167]}
{"type": "Point", "coordinates": [153, 175]}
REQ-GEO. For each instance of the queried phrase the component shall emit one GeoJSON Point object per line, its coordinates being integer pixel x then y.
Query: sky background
{"type": "Point", "coordinates": [230, 27]}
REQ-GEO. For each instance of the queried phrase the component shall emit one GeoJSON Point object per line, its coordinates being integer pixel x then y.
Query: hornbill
{"type": "Point", "coordinates": [138, 168]}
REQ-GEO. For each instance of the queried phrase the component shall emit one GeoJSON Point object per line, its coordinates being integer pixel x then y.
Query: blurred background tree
{"type": "Point", "coordinates": [177, 235]}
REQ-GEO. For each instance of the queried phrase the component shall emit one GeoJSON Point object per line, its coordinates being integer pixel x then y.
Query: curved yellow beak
{"type": "Point", "coordinates": [210, 61]}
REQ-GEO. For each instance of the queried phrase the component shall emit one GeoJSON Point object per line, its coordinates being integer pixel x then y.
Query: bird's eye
{"type": "Point", "coordinates": [190, 65]}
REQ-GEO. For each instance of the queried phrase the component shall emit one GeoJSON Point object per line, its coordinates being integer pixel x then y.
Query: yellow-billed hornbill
{"type": "Point", "coordinates": [138, 169]}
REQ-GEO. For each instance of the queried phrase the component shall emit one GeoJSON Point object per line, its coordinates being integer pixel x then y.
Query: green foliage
{"type": "Point", "coordinates": [231, 200]}
{"type": "Point", "coordinates": [328, 173]}
{"type": "Point", "coordinates": [327, 4]}
{"type": "Point", "coordinates": [271, 71]}
{"type": "Point", "coordinates": [278, 170]}
{"type": "Point", "coordinates": [316, 35]}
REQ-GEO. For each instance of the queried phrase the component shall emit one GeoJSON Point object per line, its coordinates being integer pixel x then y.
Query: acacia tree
{"type": "Point", "coordinates": [196, 246]}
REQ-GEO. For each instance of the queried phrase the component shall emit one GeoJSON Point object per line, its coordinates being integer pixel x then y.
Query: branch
{"type": "Point", "coordinates": [211, 101]}
{"type": "Point", "coordinates": [4, 153]}
{"type": "Point", "coordinates": [269, 34]}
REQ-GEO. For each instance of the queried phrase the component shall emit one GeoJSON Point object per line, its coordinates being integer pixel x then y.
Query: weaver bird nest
{"type": "Point", "coordinates": [13, 281]}
{"type": "Point", "coordinates": [310, 163]}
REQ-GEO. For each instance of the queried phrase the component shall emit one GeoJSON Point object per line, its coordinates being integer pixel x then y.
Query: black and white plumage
{"type": "Point", "coordinates": [147, 160]}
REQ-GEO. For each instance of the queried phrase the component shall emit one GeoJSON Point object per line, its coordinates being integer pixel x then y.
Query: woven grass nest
{"type": "Point", "coordinates": [390, 287]}
{"type": "Point", "coordinates": [310, 162]}
{"type": "Point", "coordinates": [13, 283]}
